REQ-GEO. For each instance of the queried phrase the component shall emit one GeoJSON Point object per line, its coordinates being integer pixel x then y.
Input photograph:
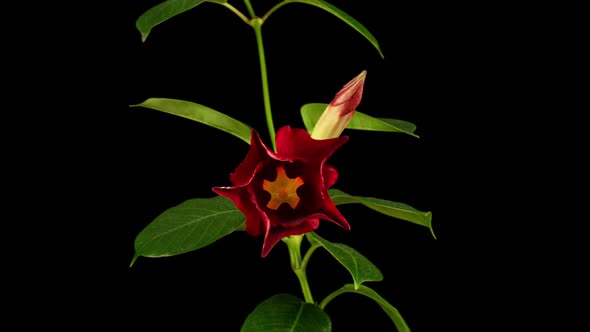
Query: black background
{"type": "Point", "coordinates": [121, 167]}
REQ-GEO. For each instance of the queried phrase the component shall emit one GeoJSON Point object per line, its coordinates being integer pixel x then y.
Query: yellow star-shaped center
{"type": "Point", "coordinates": [282, 189]}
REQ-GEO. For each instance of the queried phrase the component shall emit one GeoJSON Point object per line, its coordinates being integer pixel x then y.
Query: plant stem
{"type": "Point", "coordinates": [257, 25]}
{"type": "Point", "coordinates": [308, 255]}
{"type": "Point", "coordinates": [294, 245]}
{"type": "Point", "coordinates": [277, 6]}
{"type": "Point", "coordinates": [250, 8]}
{"type": "Point", "coordinates": [237, 12]}
{"type": "Point", "coordinates": [331, 296]}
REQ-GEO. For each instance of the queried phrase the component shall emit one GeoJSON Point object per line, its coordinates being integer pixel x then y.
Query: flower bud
{"type": "Point", "coordinates": [340, 111]}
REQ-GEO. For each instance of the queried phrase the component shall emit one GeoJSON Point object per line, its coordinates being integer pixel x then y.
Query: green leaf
{"type": "Point", "coordinates": [391, 311]}
{"type": "Point", "coordinates": [165, 11]}
{"type": "Point", "coordinates": [191, 225]}
{"type": "Point", "coordinates": [359, 267]}
{"type": "Point", "coordinates": [343, 17]}
{"type": "Point", "coordinates": [392, 209]}
{"type": "Point", "coordinates": [360, 121]}
{"type": "Point", "coordinates": [199, 113]}
{"type": "Point", "coordinates": [287, 313]}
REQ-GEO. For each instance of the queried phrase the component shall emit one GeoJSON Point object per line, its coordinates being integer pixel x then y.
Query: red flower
{"type": "Point", "coordinates": [285, 193]}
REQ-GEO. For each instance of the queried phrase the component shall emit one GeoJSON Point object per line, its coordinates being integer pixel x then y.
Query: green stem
{"type": "Point", "coordinates": [237, 12]}
{"type": "Point", "coordinates": [294, 244]}
{"type": "Point", "coordinates": [277, 6]}
{"type": "Point", "coordinates": [308, 255]}
{"type": "Point", "coordinates": [331, 296]}
{"type": "Point", "coordinates": [250, 8]}
{"type": "Point", "coordinates": [257, 25]}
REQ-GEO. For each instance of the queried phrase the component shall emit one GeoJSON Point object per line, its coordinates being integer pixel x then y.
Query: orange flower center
{"type": "Point", "coordinates": [282, 190]}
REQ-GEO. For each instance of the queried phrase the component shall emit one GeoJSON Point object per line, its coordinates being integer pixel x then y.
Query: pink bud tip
{"type": "Point", "coordinates": [351, 93]}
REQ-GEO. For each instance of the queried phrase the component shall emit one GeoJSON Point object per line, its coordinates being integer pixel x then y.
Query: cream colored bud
{"type": "Point", "coordinates": [341, 110]}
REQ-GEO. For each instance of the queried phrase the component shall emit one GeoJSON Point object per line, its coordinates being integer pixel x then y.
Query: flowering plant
{"type": "Point", "coordinates": [280, 192]}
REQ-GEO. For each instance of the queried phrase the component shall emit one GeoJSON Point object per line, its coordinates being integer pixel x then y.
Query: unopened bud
{"type": "Point", "coordinates": [341, 110]}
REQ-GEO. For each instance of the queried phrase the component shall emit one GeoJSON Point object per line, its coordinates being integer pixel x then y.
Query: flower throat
{"type": "Point", "coordinates": [282, 190]}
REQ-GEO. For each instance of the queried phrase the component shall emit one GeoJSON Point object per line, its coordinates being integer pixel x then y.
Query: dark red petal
{"type": "Point", "coordinates": [241, 198]}
{"type": "Point", "coordinates": [295, 143]}
{"type": "Point", "coordinates": [330, 175]}
{"type": "Point", "coordinates": [275, 234]}
{"type": "Point", "coordinates": [245, 170]}
{"type": "Point", "coordinates": [332, 214]}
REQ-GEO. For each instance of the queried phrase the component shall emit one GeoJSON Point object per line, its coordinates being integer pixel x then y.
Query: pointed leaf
{"type": "Point", "coordinates": [360, 121]}
{"type": "Point", "coordinates": [343, 17]}
{"type": "Point", "coordinates": [191, 225]}
{"type": "Point", "coordinates": [392, 209]}
{"type": "Point", "coordinates": [199, 113]}
{"type": "Point", "coordinates": [165, 11]}
{"type": "Point", "coordinates": [359, 267]}
{"type": "Point", "coordinates": [391, 311]}
{"type": "Point", "coordinates": [287, 313]}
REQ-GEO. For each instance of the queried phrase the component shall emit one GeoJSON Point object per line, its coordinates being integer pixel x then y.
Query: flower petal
{"type": "Point", "coordinates": [296, 143]}
{"type": "Point", "coordinates": [245, 170]}
{"type": "Point", "coordinates": [242, 199]}
{"type": "Point", "coordinates": [331, 213]}
{"type": "Point", "coordinates": [276, 233]}
{"type": "Point", "coordinates": [330, 175]}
